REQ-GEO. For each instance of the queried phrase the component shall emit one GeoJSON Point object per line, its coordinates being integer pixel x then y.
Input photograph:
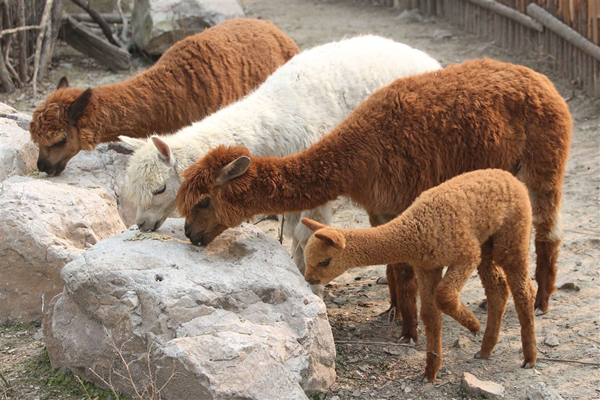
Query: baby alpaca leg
{"type": "Point", "coordinates": [447, 296]}
{"type": "Point", "coordinates": [516, 268]}
{"type": "Point", "coordinates": [496, 292]}
{"type": "Point", "coordinates": [432, 319]}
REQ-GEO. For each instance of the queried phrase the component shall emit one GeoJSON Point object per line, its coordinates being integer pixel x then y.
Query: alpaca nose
{"type": "Point", "coordinates": [312, 280]}
{"type": "Point", "coordinates": [42, 165]}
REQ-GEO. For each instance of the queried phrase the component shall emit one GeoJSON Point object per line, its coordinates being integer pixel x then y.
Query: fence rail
{"type": "Point", "coordinates": [568, 30]}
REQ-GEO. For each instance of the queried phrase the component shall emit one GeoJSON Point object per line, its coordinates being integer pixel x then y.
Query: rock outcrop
{"type": "Point", "coordinates": [43, 226]}
{"type": "Point", "coordinates": [231, 320]}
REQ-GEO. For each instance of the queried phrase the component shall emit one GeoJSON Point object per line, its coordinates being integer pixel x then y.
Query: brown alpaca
{"type": "Point", "coordinates": [447, 226]}
{"type": "Point", "coordinates": [406, 138]}
{"type": "Point", "coordinates": [195, 77]}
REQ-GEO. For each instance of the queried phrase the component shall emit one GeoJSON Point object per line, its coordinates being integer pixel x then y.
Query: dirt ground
{"type": "Point", "coordinates": [370, 362]}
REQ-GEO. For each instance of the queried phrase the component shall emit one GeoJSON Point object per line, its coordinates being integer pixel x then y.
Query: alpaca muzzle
{"type": "Point", "coordinates": [312, 280]}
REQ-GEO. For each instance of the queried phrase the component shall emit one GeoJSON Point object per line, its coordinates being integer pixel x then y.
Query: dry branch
{"type": "Point", "coordinates": [22, 40]}
{"type": "Point", "coordinates": [38, 43]}
{"type": "Point", "coordinates": [99, 20]}
{"type": "Point", "coordinates": [19, 29]}
{"type": "Point", "coordinates": [52, 35]}
{"type": "Point", "coordinates": [84, 41]}
{"type": "Point", "coordinates": [109, 18]}
{"type": "Point", "coordinates": [510, 13]}
{"type": "Point", "coordinates": [563, 30]}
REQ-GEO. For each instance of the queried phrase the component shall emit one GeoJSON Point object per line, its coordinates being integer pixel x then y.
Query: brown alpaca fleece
{"type": "Point", "coordinates": [195, 77]}
{"type": "Point", "coordinates": [479, 219]}
{"type": "Point", "coordinates": [406, 138]}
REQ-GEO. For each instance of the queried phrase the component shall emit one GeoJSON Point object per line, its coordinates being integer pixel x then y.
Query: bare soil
{"type": "Point", "coordinates": [370, 362]}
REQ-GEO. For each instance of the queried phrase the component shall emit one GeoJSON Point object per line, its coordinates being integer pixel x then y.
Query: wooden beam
{"type": "Point", "coordinates": [86, 42]}
{"type": "Point", "coordinates": [510, 13]}
{"type": "Point", "coordinates": [564, 31]}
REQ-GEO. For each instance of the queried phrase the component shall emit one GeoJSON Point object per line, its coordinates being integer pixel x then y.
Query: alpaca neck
{"type": "Point", "coordinates": [299, 182]}
{"type": "Point", "coordinates": [392, 243]}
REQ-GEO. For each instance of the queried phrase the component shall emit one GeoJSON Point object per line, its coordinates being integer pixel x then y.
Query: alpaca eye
{"type": "Point", "coordinates": [324, 263]}
{"type": "Point", "coordinates": [204, 203]}
{"type": "Point", "coordinates": [62, 142]}
{"type": "Point", "coordinates": [159, 191]}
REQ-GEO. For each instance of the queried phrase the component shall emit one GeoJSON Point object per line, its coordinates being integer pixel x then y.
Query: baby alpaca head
{"type": "Point", "coordinates": [212, 193]}
{"type": "Point", "coordinates": [54, 128]}
{"type": "Point", "coordinates": [324, 254]}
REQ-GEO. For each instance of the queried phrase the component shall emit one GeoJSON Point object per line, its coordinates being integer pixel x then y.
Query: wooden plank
{"type": "Point", "coordinates": [508, 12]}
{"type": "Point", "coordinates": [107, 54]}
{"type": "Point", "coordinates": [568, 33]}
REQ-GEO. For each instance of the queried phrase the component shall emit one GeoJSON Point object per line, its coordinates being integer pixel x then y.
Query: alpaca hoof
{"type": "Point", "coordinates": [426, 380]}
{"type": "Point", "coordinates": [527, 365]}
{"type": "Point", "coordinates": [480, 357]}
{"type": "Point", "coordinates": [408, 340]}
{"type": "Point", "coordinates": [539, 312]}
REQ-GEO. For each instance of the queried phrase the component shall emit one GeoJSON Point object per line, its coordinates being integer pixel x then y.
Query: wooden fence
{"type": "Point", "coordinates": [568, 30]}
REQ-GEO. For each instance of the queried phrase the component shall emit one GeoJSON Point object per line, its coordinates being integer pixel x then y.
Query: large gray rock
{"type": "Point", "coordinates": [103, 167]}
{"type": "Point", "coordinates": [158, 24]}
{"type": "Point", "coordinates": [231, 320]}
{"type": "Point", "coordinates": [18, 155]}
{"type": "Point", "coordinates": [43, 226]}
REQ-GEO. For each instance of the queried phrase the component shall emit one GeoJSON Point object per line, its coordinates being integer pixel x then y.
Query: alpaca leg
{"type": "Point", "coordinates": [516, 267]}
{"type": "Point", "coordinates": [496, 292]}
{"type": "Point", "coordinates": [447, 295]}
{"type": "Point", "coordinates": [432, 319]}
{"type": "Point", "coordinates": [545, 203]}
{"type": "Point", "coordinates": [406, 299]}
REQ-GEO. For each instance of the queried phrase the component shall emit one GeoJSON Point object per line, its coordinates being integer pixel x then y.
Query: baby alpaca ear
{"type": "Point", "coordinates": [234, 169]}
{"type": "Point", "coordinates": [164, 151]}
{"type": "Point", "coordinates": [134, 143]}
{"type": "Point", "coordinates": [332, 238]}
{"type": "Point", "coordinates": [313, 225]}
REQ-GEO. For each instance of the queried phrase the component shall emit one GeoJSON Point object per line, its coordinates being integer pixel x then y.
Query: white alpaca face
{"type": "Point", "coordinates": [152, 182]}
{"type": "Point", "coordinates": [162, 204]}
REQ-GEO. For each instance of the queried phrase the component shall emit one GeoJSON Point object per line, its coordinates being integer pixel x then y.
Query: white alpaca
{"type": "Point", "coordinates": [298, 104]}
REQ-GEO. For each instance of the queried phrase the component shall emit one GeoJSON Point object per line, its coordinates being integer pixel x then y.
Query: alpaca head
{"type": "Point", "coordinates": [212, 193]}
{"type": "Point", "coordinates": [151, 181]}
{"type": "Point", "coordinates": [56, 129]}
{"type": "Point", "coordinates": [324, 254]}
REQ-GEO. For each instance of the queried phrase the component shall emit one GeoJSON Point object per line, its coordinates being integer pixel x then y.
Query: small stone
{"type": "Point", "coordinates": [551, 340]}
{"type": "Point", "coordinates": [441, 34]}
{"type": "Point", "coordinates": [462, 342]}
{"type": "Point", "coordinates": [365, 304]}
{"type": "Point", "coordinates": [410, 16]}
{"type": "Point", "coordinates": [363, 369]}
{"type": "Point", "coordinates": [340, 301]}
{"type": "Point", "coordinates": [569, 286]}
{"type": "Point", "coordinates": [539, 391]}
{"type": "Point", "coordinates": [335, 398]}
{"type": "Point", "coordinates": [486, 389]}
{"type": "Point", "coordinates": [407, 389]}
{"type": "Point", "coordinates": [356, 393]}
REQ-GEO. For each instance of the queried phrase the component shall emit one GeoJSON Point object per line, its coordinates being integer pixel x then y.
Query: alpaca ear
{"type": "Point", "coordinates": [313, 225]}
{"type": "Point", "coordinates": [62, 83]}
{"type": "Point", "coordinates": [332, 238]}
{"type": "Point", "coordinates": [78, 107]}
{"type": "Point", "coordinates": [234, 169]}
{"type": "Point", "coordinates": [163, 149]}
{"type": "Point", "coordinates": [134, 143]}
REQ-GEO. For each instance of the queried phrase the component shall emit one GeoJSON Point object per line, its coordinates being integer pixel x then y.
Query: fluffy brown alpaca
{"type": "Point", "coordinates": [446, 225]}
{"type": "Point", "coordinates": [406, 138]}
{"type": "Point", "coordinates": [195, 77]}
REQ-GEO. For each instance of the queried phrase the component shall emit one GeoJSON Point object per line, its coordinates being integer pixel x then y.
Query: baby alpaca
{"type": "Point", "coordinates": [451, 224]}
{"type": "Point", "coordinates": [195, 77]}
